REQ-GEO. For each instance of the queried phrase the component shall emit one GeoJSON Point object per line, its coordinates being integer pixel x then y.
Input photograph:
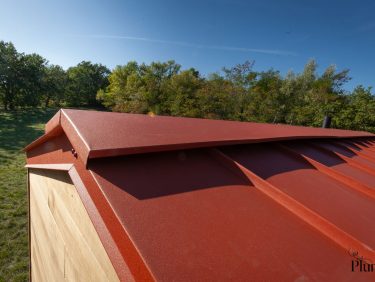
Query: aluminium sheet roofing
{"type": "Point", "coordinates": [258, 202]}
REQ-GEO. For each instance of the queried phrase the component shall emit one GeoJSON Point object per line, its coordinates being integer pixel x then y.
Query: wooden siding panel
{"type": "Point", "coordinates": [44, 233]}
{"type": "Point", "coordinates": [64, 243]}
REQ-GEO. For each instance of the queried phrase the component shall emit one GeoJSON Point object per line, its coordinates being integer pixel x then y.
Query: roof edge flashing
{"type": "Point", "coordinates": [62, 166]}
{"type": "Point", "coordinates": [75, 129]}
{"type": "Point", "coordinates": [74, 136]}
{"type": "Point", "coordinates": [53, 132]}
{"type": "Point", "coordinates": [126, 151]}
{"type": "Point", "coordinates": [64, 122]}
{"type": "Point", "coordinates": [54, 122]}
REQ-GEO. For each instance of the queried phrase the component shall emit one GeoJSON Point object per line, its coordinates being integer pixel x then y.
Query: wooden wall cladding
{"type": "Point", "coordinates": [64, 243]}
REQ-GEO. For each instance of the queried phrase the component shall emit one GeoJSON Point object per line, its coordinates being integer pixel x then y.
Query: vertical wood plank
{"type": "Point", "coordinates": [64, 243]}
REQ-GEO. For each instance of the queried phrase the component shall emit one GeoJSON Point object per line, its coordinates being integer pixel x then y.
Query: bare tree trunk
{"type": "Point", "coordinates": [47, 101]}
{"type": "Point", "coordinates": [5, 103]}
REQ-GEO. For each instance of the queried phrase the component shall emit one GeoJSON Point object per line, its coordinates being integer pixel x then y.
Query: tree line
{"type": "Point", "coordinates": [28, 80]}
{"type": "Point", "coordinates": [164, 88]}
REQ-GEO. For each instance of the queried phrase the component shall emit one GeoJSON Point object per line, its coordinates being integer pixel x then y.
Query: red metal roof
{"type": "Point", "coordinates": [104, 134]}
{"type": "Point", "coordinates": [297, 208]}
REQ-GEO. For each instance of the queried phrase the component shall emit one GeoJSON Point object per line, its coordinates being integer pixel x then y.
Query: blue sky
{"type": "Point", "coordinates": [205, 34]}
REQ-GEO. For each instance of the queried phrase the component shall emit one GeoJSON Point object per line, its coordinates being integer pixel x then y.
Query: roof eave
{"type": "Point", "coordinates": [60, 123]}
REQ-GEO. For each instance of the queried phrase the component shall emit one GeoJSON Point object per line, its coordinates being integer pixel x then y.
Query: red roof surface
{"type": "Point", "coordinates": [204, 202]}
{"type": "Point", "coordinates": [103, 134]}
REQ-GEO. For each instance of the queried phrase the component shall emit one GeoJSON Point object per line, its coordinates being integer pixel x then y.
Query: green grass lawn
{"type": "Point", "coordinates": [17, 129]}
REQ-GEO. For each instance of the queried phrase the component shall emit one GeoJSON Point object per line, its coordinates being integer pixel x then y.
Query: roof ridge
{"type": "Point", "coordinates": [95, 134]}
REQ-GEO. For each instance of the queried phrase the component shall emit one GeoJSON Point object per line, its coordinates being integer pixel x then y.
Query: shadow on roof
{"type": "Point", "coordinates": [163, 174]}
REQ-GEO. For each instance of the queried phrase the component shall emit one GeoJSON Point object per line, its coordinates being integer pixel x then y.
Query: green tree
{"type": "Point", "coordinates": [126, 90]}
{"type": "Point", "coordinates": [32, 74]}
{"type": "Point", "coordinates": [243, 78]}
{"type": "Point", "coordinates": [359, 111]}
{"type": "Point", "coordinates": [139, 88]}
{"type": "Point", "coordinates": [83, 83]}
{"type": "Point", "coordinates": [238, 93]}
{"type": "Point", "coordinates": [10, 76]}
{"type": "Point", "coordinates": [54, 84]}
{"type": "Point", "coordinates": [181, 92]}
{"type": "Point", "coordinates": [300, 87]}
{"type": "Point", "coordinates": [318, 96]}
{"type": "Point", "coordinates": [217, 98]}
{"type": "Point", "coordinates": [156, 77]}
{"type": "Point", "coordinates": [241, 75]}
{"type": "Point", "coordinates": [266, 101]}
{"type": "Point", "coordinates": [21, 77]}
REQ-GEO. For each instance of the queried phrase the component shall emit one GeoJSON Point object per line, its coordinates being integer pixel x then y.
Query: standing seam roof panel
{"type": "Point", "coordinates": [283, 210]}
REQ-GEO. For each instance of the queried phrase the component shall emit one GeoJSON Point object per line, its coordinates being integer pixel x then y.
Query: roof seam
{"type": "Point", "coordinates": [346, 180]}
{"type": "Point", "coordinates": [323, 226]}
{"type": "Point", "coordinates": [350, 161]}
{"type": "Point", "coordinates": [341, 143]}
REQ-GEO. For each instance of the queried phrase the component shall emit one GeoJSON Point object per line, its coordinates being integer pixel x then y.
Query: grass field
{"type": "Point", "coordinates": [17, 129]}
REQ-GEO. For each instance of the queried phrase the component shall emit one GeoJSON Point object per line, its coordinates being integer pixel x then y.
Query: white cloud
{"type": "Point", "coordinates": [193, 45]}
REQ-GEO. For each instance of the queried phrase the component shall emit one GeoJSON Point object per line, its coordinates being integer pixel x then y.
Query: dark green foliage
{"type": "Point", "coordinates": [32, 75]}
{"type": "Point", "coordinates": [217, 98]}
{"type": "Point", "coordinates": [54, 85]}
{"type": "Point", "coordinates": [240, 93]}
{"type": "Point", "coordinates": [181, 98]}
{"type": "Point", "coordinates": [10, 75]}
{"type": "Point", "coordinates": [83, 82]}
{"type": "Point", "coordinates": [236, 93]}
{"type": "Point", "coordinates": [359, 111]}
{"type": "Point", "coordinates": [29, 81]}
